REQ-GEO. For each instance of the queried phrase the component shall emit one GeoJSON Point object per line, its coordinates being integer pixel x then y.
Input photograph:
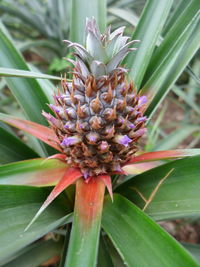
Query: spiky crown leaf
{"type": "Point", "coordinates": [98, 116]}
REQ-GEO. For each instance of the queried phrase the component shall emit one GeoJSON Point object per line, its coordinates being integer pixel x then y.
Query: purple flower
{"type": "Point", "coordinates": [123, 140]}
{"type": "Point", "coordinates": [140, 132]}
{"type": "Point", "coordinates": [92, 137]}
{"type": "Point", "coordinates": [142, 100]}
{"type": "Point", "coordinates": [69, 141]}
{"type": "Point", "coordinates": [103, 145]}
{"type": "Point", "coordinates": [143, 119]}
{"type": "Point", "coordinates": [55, 108]}
{"type": "Point", "coordinates": [117, 168]}
{"type": "Point", "coordinates": [131, 125]}
{"type": "Point", "coordinates": [85, 174]}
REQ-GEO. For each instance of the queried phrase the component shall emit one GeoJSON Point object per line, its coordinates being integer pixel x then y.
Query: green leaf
{"type": "Point", "coordinates": [28, 92]}
{"type": "Point", "coordinates": [179, 29]}
{"type": "Point", "coordinates": [37, 44]}
{"type": "Point", "coordinates": [168, 191]}
{"type": "Point", "coordinates": [42, 132]}
{"type": "Point", "coordinates": [194, 249]}
{"type": "Point", "coordinates": [147, 31]}
{"type": "Point", "coordinates": [124, 14]}
{"type": "Point", "coordinates": [172, 57]}
{"type": "Point", "coordinates": [175, 14]}
{"type": "Point", "coordinates": [28, 17]}
{"type": "Point", "coordinates": [8, 72]}
{"type": "Point", "coordinates": [176, 137]}
{"type": "Point", "coordinates": [13, 149]}
{"type": "Point", "coordinates": [70, 176]}
{"type": "Point", "coordinates": [35, 254]}
{"type": "Point", "coordinates": [139, 240]}
{"type": "Point", "coordinates": [82, 9]}
{"type": "Point", "coordinates": [48, 87]}
{"type": "Point", "coordinates": [162, 155]}
{"type": "Point", "coordinates": [104, 258]}
{"type": "Point", "coordinates": [18, 204]}
{"type": "Point", "coordinates": [114, 254]}
{"type": "Point", "coordinates": [84, 239]}
{"type": "Point", "coordinates": [35, 172]}
{"type": "Point", "coordinates": [187, 99]}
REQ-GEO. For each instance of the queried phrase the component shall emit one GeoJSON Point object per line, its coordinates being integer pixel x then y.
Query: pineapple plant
{"type": "Point", "coordinates": [99, 115]}
{"type": "Point", "coordinates": [96, 122]}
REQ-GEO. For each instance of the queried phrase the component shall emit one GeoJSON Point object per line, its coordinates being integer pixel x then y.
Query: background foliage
{"type": "Point", "coordinates": [166, 67]}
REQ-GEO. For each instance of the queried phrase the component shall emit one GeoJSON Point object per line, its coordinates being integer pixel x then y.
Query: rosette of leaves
{"type": "Point", "coordinates": [115, 230]}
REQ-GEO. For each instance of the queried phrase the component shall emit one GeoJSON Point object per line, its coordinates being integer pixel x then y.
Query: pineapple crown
{"type": "Point", "coordinates": [103, 52]}
{"type": "Point", "coordinates": [99, 115]}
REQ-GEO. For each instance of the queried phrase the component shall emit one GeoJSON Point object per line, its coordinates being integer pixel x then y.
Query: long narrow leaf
{"type": "Point", "coordinates": [137, 168]}
{"type": "Point", "coordinates": [172, 64]}
{"type": "Point", "coordinates": [168, 191]}
{"type": "Point", "coordinates": [8, 72]}
{"type": "Point", "coordinates": [178, 11]}
{"type": "Point", "coordinates": [162, 155]}
{"type": "Point", "coordinates": [177, 137]}
{"type": "Point", "coordinates": [69, 177]}
{"type": "Point", "coordinates": [13, 149]}
{"type": "Point", "coordinates": [194, 249]}
{"type": "Point", "coordinates": [80, 10]}
{"type": "Point", "coordinates": [147, 31]}
{"type": "Point", "coordinates": [104, 258]}
{"type": "Point", "coordinates": [28, 92]}
{"type": "Point", "coordinates": [41, 132]}
{"type": "Point", "coordinates": [124, 14]}
{"type": "Point", "coordinates": [139, 240]}
{"type": "Point", "coordinates": [20, 11]}
{"type": "Point", "coordinates": [35, 172]}
{"type": "Point", "coordinates": [18, 205]}
{"type": "Point", "coordinates": [39, 251]}
{"type": "Point", "coordinates": [178, 30]}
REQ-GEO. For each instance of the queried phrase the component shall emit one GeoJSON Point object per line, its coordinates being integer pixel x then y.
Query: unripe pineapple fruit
{"type": "Point", "coordinates": [98, 116]}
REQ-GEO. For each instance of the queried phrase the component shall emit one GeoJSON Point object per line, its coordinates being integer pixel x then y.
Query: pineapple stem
{"type": "Point", "coordinates": [84, 239]}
